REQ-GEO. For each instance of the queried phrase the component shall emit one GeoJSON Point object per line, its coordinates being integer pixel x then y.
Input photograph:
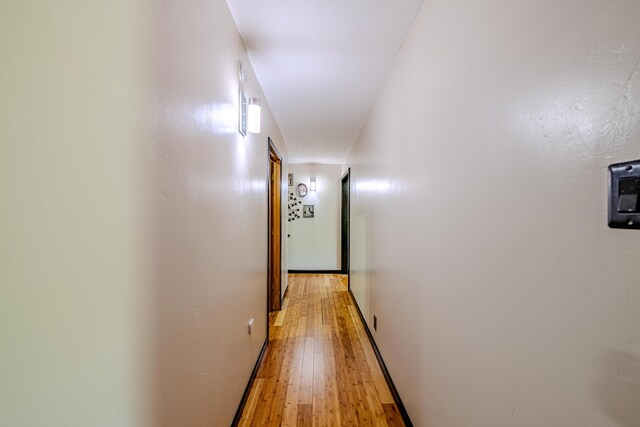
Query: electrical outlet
{"type": "Point", "coordinates": [250, 325]}
{"type": "Point", "coordinates": [375, 323]}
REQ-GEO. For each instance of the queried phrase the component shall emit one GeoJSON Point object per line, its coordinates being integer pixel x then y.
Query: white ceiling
{"type": "Point", "coordinates": [321, 64]}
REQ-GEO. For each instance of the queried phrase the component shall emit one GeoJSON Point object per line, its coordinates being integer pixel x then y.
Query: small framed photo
{"type": "Point", "coordinates": [307, 211]}
{"type": "Point", "coordinates": [290, 180]}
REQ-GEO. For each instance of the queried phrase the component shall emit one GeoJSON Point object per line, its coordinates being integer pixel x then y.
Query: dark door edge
{"type": "Point", "coordinates": [347, 176]}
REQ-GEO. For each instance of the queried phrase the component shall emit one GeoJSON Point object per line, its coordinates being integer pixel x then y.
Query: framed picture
{"type": "Point", "coordinates": [242, 112]}
{"type": "Point", "coordinates": [301, 190]}
{"type": "Point", "coordinates": [290, 180]}
{"type": "Point", "coordinates": [307, 211]}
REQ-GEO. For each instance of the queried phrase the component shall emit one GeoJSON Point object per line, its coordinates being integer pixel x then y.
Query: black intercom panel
{"type": "Point", "coordinates": [624, 195]}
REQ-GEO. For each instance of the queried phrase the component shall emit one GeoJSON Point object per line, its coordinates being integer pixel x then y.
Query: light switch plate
{"type": "Point", "coordinates": [624, 195]}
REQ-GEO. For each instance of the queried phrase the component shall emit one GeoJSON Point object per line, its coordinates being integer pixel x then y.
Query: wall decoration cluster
{"type": "Point", "coordinates": [294, 207]}
{"type": "Point", "coordinates": [295, 201]}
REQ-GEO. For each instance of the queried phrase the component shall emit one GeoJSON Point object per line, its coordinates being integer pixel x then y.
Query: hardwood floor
{"type": "Point", "coordinates": [320, 368]}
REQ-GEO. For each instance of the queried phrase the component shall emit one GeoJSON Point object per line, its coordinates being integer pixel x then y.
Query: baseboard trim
{"type": "Point", "coordinates": [247, 391]}
{"type": "Point", "coordinates": [315, 271]}
{"type": "Point", "coordinates": [385, 372]}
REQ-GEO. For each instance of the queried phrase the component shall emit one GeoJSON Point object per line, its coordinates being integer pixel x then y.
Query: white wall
{"type": "Point", "coordinates": [209, 198]}
{"type": "Point", "coordinates": [72, 306]}
{"type": "Point", "coordinates": [132, 215]}
{"type": "Point", "coordinates": [314, 243]}
{"type": "Point", "coordinates": [479, 218]}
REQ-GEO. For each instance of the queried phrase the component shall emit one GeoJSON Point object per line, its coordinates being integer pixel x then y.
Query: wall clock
{"type": "Point", "coordinates": [301, 190]}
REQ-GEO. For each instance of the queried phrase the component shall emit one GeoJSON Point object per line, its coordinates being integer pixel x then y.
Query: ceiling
{"type": "Point", "coordinates": [321, 64]}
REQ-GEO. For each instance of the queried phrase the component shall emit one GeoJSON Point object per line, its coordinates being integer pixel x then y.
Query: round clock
{"type": "Point", "coordinates": [301, 190]}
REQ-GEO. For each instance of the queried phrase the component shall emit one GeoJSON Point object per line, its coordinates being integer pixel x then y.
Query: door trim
{"type": "Point", "coordinates": [273, 156]}
{"type": "Point", "coordinates": [346, 177]}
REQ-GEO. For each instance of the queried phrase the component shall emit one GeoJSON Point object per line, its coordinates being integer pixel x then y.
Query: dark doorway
{"type": "Point", "coordinates": [275, 231]}
{"type": "Point", "coordinates": [346, 205]}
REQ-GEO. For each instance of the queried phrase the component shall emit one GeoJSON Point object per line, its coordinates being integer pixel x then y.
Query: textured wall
{"type": "Point", "coordinates": [479, 218]}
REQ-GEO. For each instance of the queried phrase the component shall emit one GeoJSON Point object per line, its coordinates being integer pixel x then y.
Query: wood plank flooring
{"type": "Point", "coordinates": [320, 368]}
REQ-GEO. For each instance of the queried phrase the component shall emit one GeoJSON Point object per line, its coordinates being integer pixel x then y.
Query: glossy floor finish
{"type": "Point", "coordinates": [320, 368]}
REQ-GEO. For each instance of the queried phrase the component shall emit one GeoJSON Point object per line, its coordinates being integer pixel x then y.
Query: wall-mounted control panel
{"type": "Point", "coordinates": [624, 195]}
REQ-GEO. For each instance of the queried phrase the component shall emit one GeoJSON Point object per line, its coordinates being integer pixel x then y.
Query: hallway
{"type": "Point", "coordinates": [319, 368]}
{"type": "Point", "coordinates": [473, 165]}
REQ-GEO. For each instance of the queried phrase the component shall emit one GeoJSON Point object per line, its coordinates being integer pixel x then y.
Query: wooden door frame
{"type": "Point", "coordinates": [273, 304]}
{"type": "Point", "coordinates": [346, 177]}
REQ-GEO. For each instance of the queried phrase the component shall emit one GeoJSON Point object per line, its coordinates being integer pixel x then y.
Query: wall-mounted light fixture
{"type": "Point", "coordinates": [241, 76]}
{"type": "Point", "coordinates": [242, 112]}
{"type": "Point", "coordinates": [312, 184]}
{"type": "Point", "coordinates": [242, 101]}
{"type": "Point", "coordinates": [253, 115]}
{"type": "Point", "coordinates": [249, 114]}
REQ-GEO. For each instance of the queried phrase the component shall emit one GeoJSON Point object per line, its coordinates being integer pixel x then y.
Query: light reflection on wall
{"type": "Point", "coordinates": [218, 119]}
{"type": "Point", "coordinates": [251, 186]}
{"type": "Point", "coordinates": [259, 186]}
{"type": "Point", "coordinates": [241, 152]}
{"type": "Point", "coordinates": [243, 186]}
{"type": "Point", "coordinates": [373, 186]}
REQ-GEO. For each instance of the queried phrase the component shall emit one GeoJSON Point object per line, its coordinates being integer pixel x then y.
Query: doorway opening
{"type": "Point", "coordinates": [345, 208]}
{"type": "Point", "coordinates": [274, 299]}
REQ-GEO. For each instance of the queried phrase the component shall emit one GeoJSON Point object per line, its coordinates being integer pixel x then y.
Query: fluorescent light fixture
{"type": "Point", "coordinates": [253, 115]}
{"type": "Point", "coordinates": [312, 184]}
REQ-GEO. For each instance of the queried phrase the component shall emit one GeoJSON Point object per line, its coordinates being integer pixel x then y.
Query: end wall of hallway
{"type": "Point", "coordinates": [314, 243]}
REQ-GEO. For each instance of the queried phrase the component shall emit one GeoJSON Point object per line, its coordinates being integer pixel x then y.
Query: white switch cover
{"type": "Point", "coordinates": [250, 325]}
